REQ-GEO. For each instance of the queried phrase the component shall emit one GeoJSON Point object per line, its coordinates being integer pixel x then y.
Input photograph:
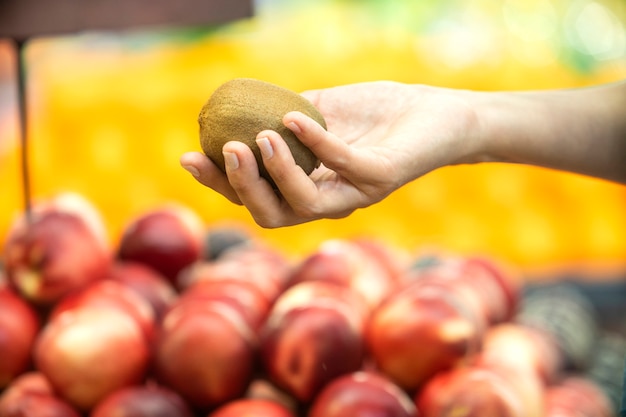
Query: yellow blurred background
{"type": "Point", "coordinates": [110, 114]}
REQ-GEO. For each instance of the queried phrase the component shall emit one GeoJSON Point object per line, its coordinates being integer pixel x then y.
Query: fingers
{"type": "Point", "coordinates": [332, 151]}
{"type": "Point", "coordinates": [296, 187]}
{"type": "Point", "coordinates": [261, 200]}
{"type": "Point", "coordinates": [208, 174]}
{"type": "Point", "coordinates": [300, 198]}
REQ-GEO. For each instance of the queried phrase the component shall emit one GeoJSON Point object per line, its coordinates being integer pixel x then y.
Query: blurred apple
{"type": "Point", "coordinates": [108, 294]}
{"type": "Point", "coordinates": [392, 258]}
{"type": "Point", "coordinates": [206, 351]}
{"type": "Point", "coordinates": [261, 388]}
{"type": "Point", "coordinates": [349, 264]}
{"type": "Point", "coordinates": [469, 392]}
{"type": "Point", "coordinates": [31, 382]}
{"type": "Point", "coordinates": [265, 268]}
{"type": "Point", "coordinates": [242, 295]}
{"type": "Point", "coordinates": [506, 278]}
{"type": "Point", "coordinates": [142, 401]}
{"type": "Point", "coordinates": [489, 289]}
{"type": "Point", "coordinates": [576, 396]}
{"type": "Point", "coordinates": [38, 405]}
{"type": "Point", "coordinates": [19, 326]}
{"type": "Point", "coordinates": [77, 204]}
{"type": "Point", "coordinates": [167, 239]}
{"type": "Point", "coordinates": [252, 407]}
{"type": "Point", "coordinates": [90, 351]}
{"type": "Point", "coordinates": [524, 347]}
{"type": "Point", "coordinates": [313, 334]}
{"type": "Point", "coordinates": [54, 255]}
{"type": "Point", "coordinates": [525, 383]}
{"type": "Point", "coordinates": [421, 330]}
{"type": "Point", "coordinates": [362, 394]}
{"type": "Point", "coordinates": [526, 358]}
{"type": "Point", "coordinates": [31, 395]}
{"type": "Point", "coordinates": [147, 283]}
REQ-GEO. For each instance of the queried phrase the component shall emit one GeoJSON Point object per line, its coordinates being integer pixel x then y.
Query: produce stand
{"type": "Point", "coordinates": [489, 289]}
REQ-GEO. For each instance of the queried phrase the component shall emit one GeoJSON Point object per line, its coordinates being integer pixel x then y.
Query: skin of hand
{"type": "Point", "coordinates": [382, 135]}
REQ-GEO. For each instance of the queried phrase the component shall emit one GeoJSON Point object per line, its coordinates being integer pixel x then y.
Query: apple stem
{"type": "Point", "coordinates": [22, 109]}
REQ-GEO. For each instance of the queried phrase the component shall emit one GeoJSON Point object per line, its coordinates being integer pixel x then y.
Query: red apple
{"type": "Point", "coordinates": [147, 283]}
{"type": "Point", "coordinates": [88, 352]}
{"type": "Point", "coordinates": [39, 405]}
{"type": "Point", "coordinates": [349, 264]}
{"type": "Point", "coordinates": [206, 352]}
{"type": "Point", "coordinates": [393, 259]}
{"type": "Point", "coordinates": [263, 267]}
{"type": "Point", "coordinates": [110, 294]}
{"type": "Point", "coordinates": [262, 388]}
{"type": "Point", "coordinates": [485, 287]}
{"type": "Point", "coordinates": [19, 326]}
{"type": "Point", "coordinates": [242, 295]}
{"type": "Point", "coordinates": [525, 383]}
{"type": "Point", "coordinates": [31, 395]}
{"type": "Point", "coordinates": [362, 394]}
{"type": "Point", "coordinates": [31, 382]}
{"type": "Point", "coordinates": [523, 347]}
{"type": "Point", "coordinates": [576, 396]}
{"type": "Point", "coordinates": [142, 401]}
{"type": "Point", "coordinates": [505, 277]}
{"type": "Point", "coordinates": [421, 330]}
{"type": "Point", "coordinates": [253, 408]}
{"type": "Point", "coordinates": [55, 255]}
{"type": "Point", "coordinates": [167, 239]}
{"type": "Point", "coordinates": [526, 358]}
{"type": "Point", "coordinates": [313, 334]}
{"type": "Point", "coordinates": [469, 392]}
{"type": "Point", "coordinates": [74, 203]}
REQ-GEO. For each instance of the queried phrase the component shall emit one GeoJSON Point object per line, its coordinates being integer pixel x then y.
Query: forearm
{"type": "Point", "coordinates": [581, 130]}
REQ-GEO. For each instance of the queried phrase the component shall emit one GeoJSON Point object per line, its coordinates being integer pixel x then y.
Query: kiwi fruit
{"type": "Point", "coordinates": [241, 108]}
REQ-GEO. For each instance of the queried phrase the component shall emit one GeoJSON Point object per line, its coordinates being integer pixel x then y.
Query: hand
{"type": "Point", "coordinates": [380, 136]}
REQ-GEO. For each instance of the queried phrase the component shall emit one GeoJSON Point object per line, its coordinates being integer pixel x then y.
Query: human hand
{"type": "Point", "coordinates": [380, 136]}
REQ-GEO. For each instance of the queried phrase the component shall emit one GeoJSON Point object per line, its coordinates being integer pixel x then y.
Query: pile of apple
{"type": "Point", "coordinates": [181, 320]}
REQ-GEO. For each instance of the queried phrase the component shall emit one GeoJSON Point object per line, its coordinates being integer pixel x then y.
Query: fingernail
{"type": "Point", "coordinates": [192, 170]}
{"type": "Point", "coordinates": [294, 127]}
{"type": "Point", "coordinates": [266, 147]}
{"type": "Point", "coordinates": [231, 161]}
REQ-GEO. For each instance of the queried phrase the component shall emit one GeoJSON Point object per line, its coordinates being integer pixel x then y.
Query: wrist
{"type": "Point", "coordinates": [478, 138]}
{"type": "Point", "coordinates": [507, 124]}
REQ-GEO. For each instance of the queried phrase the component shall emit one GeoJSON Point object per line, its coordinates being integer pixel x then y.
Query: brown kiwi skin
{"type": "Point", "coordinates": [241, 108]}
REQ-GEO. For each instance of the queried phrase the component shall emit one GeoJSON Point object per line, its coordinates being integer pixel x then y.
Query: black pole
{"type": "Point", "coordinates": [23, 121]}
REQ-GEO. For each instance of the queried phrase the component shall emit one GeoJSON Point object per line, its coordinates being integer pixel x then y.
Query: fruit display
{"type": "Point", "coordinates": [111, 113]}
{"type": "Point", "coordinates": [356, 327]}
{"type": "Point", "coordinates": [129, 290]}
